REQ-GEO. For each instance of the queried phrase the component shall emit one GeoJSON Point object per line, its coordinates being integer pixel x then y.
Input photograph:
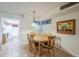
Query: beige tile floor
{"type": "Point", "coordinates": [58, 53]}
{"type": "Point", "coordinates": [14, 49]}
{"type": "Point", "coordinates": [22, 51]}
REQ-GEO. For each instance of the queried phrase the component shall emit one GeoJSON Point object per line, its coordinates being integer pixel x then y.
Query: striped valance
{"type": "Point", "coordinates": [48, 21]}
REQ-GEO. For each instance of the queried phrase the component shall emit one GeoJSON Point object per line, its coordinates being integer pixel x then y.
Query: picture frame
{"type": "Point", "coordinates": [66, 27]}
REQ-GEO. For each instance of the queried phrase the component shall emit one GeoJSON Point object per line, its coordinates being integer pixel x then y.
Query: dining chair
{"type": "Point", "coordinates": [29, 42]}
{"type": "Point", "coordinates": [48, 47]}
{"type": "Point", "coordinates": [33, 45]}
{"type": "Point", "coordinates": [58, 41]}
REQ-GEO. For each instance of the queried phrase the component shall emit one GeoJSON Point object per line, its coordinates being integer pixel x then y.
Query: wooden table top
{"type": "Point", "coordinates": [40, 38]}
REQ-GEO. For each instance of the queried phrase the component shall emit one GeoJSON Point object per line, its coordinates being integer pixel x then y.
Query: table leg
{"type": "Point", "coordinates": [40, 48]}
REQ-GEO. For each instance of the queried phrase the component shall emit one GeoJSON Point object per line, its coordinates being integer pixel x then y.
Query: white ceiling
{"type": "Point", "coordinates": [21, 8]}
{"type": "Point", "coordinates": [26, 9]}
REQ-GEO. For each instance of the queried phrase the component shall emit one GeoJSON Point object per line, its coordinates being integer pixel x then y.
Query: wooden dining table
{"type": "Point", "coordinates": [40, 38]}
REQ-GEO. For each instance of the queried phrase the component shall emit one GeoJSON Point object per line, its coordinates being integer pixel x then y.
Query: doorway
{"type": "Point", "coordinates": [10, 31]}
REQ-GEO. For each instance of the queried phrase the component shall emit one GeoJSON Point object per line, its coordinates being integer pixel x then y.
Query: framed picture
{"type": "Point", "coordinates": [66, 27]}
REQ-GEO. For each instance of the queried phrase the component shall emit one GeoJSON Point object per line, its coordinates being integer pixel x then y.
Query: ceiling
{"type": "Point", "coordinates": [27, 8]}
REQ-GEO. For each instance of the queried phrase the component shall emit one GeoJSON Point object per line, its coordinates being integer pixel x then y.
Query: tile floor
{"type": "Point", "coordinates": [11, 49]}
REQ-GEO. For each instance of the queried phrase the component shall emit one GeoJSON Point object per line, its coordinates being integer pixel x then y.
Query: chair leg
{"type": "Point", "coordinates": [53, 52]}
{"type": "Point", "coordinates": [29, 47]}
{"type": "Point", "coordinates": [50, 52]}
{"type": "Point", "coordinates": [34, 52]}
{"type": "Point", "coordinates": [47, 52]}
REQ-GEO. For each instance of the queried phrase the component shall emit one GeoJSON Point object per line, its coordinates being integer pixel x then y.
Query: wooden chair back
{"type": "Point", "coordinates": [51, 41]}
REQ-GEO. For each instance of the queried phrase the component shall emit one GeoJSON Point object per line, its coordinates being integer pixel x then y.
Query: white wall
{"type": "Point", "coordinates": [25, 27]}
{"type": "Point", "coordinates": [68, 42]}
